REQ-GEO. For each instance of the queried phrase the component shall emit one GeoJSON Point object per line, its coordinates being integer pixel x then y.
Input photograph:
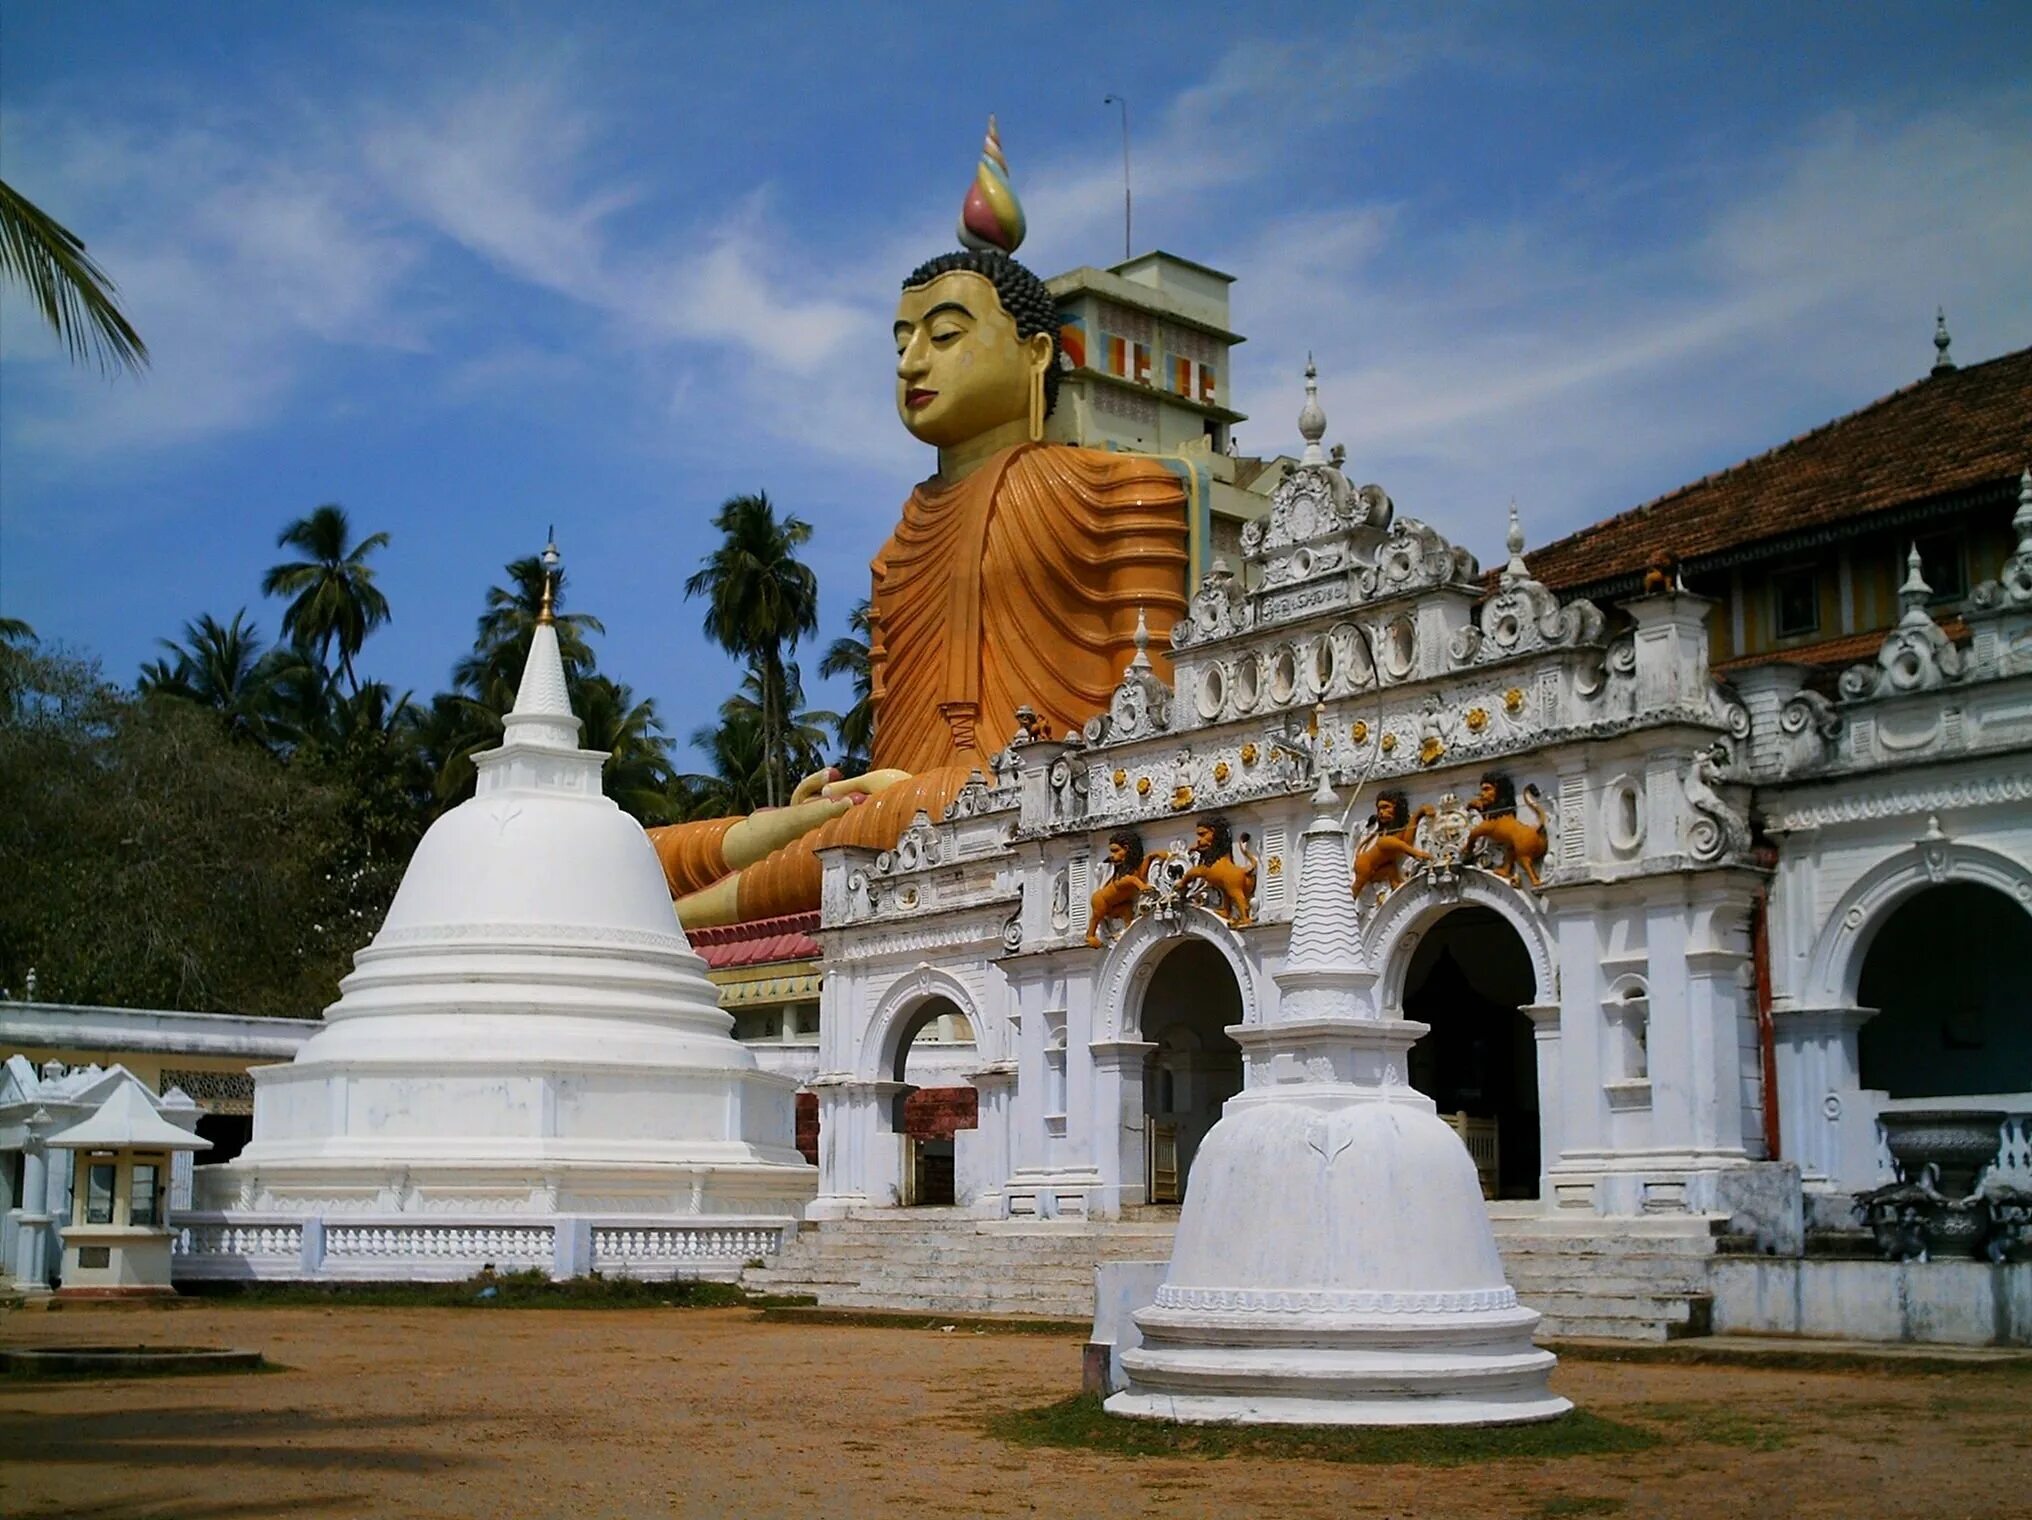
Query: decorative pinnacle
{"type": "Point", "coordinates": [1942, 364]}
{"type": "Point", "coordinates": [1913, 595]}
{"type": "Point", "coordinates": [1312, 421]}
{"type": "Point", "coordinates": [1141, 659]}
{"type": "Point", "coordinates": [2021, 520]}
{"type": "Point", "coordinates": [1515, 570]}
{"type": "Point", "coordinates": [546, 615]}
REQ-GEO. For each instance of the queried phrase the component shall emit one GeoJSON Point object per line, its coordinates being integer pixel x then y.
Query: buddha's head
{"type": "Point", "coordinates": [976, 332]}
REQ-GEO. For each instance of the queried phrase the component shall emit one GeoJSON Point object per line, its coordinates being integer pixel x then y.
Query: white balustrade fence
{"type": "Point", "coordinates": [523, 1245]}
{"type": "Point", "coordinates": [194, 1237]}
{"type": "Point", "coordinates": [625, 1247]}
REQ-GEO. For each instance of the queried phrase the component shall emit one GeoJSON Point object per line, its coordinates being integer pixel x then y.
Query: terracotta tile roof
{"type": "Point", "coordinates": [1839, 653]}
{"type": "Point", "coordinates": [1946, 435]}
{"type": "Point", "coordinates": [784, 938]}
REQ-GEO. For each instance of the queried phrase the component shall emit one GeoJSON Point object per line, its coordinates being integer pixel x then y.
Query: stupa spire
{"type": "Point", "coordinates": [542, 717]}
{"type": "Point", "coordinates": [1312, 421]}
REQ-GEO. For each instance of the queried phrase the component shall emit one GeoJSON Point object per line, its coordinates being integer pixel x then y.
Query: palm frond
{"type": "Point", "coordinates": [75, 296]}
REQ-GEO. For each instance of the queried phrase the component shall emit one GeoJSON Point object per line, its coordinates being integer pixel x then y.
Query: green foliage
{"type": "Point", "coordinates": [529, 1289]}
{"type": "Point", "coordinates": [848, 656]}
{"type": "Point", "coordinates": [334, 601]}
{"type": "Point", "coordinates": [75, 296]}
{"type": "Point", "coordinates": [1081, 1424]}
{"type": "Point", "coordinates": [759, 599]}
{"type": "Point", "coordinates": [154, 859]}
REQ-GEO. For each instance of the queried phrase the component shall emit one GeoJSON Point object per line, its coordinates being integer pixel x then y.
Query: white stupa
{"type": "Point", "coordinates": [1334, 1263]}
{"type": "Point", "coordinates": [529, 1035]}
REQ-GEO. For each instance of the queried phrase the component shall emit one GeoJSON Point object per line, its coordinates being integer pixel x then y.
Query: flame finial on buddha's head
{"type": "Point", "coordinates": [992, 217]}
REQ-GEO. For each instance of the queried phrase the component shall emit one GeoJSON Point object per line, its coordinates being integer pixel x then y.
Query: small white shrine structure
{"type": "Point", "coordinates": [36, 1108]}
{"type": "Point", "coordinates": [527, 1067]}
{"type": "Point", "coordinates": [117, 1244]}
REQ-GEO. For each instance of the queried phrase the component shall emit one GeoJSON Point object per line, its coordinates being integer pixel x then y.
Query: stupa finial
{"type": "Point", "coordinates": [1915, 593]}
{"type": "Point", "coordinates": [1942, 363]}
{"type": "Point", "coordinates": [1513, 540]}
{"type": "Point", "coordinates": [991, 218]}
{"type": "Point", "coordinates": [546, 615]}
{"type": "Point", "coordinates": [1312, 421]}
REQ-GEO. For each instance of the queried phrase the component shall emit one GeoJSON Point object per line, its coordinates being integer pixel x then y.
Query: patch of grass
{"type": "Point", "coordinates": [1581, 1504]}
{"type": "Point", "coordinates": [802, 1312]}
{"type": "Point", "coordinates": [1716, 1425]}
{"type": "Point", "coordinates": [531, 1289]}
{"type": "Point", "coordinates": [1081, 1424]}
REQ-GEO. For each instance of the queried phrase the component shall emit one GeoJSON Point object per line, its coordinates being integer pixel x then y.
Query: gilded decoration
{"type": "Point", "coordinates": [1513, 701]}
{"type": "Point", "coordinates": [1442, 838]}
{"type": "Point", "coordinates": [1360, 732]}
{"type": "Point", "coordinates": [1389, 744]}
{"type": "Point", "coordinates": [1121, 777]}
{"type": "Point", "coordinates": [1477, 719]}
{"type": "Point", "coordinates": [1220, 771]}
{"type": "Point", "coordinates": [1249, 754]}
{"type": "Point", "coordinates": [1217, 872]}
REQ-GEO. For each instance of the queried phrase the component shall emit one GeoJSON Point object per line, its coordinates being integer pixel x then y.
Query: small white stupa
{"type": "Point", "coordinates": [1334, 1263]}
{"type": "Point", "coordinates": [529, 1035]}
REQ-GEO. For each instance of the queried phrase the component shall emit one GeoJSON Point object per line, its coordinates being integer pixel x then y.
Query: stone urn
{"type": "Point", "coordinates": [1957, 1142]}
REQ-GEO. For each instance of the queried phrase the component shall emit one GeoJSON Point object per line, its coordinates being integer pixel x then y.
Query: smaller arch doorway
{"type": "Point", "coordinates": [1191, 1002]}
{"type": "Point", "coordinates": [1943, 973]}
{"type": "Point", "coordinates": [928, 1118]}
{"type": "Point", "coordinates": [1470, 978]}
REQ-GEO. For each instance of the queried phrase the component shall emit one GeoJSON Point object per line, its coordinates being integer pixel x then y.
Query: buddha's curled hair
{"type": "Point", "coordinates": [1022, 294]}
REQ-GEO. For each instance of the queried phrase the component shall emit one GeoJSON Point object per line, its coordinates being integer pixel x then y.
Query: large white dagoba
{"type": "Point", "coordinates": [529, 1035]}
{"type": "Point", "coordinates": [1334, 1263]}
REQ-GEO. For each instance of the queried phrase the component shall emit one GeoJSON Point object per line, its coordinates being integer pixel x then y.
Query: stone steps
{"type": "Point", "coordinates": [1627, 1279]}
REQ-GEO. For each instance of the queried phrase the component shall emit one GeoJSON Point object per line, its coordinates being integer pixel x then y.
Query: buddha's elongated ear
{"type": "Point", "coordinates": [1038, 352]}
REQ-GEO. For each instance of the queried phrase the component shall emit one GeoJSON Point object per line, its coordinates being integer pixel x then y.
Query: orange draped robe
{"type": "Point", "coordinates": [1020, 583]}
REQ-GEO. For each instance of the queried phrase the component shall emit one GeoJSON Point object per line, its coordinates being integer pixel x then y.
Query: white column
{"type": "Point", "coordinates": [996, 1086]}
{"type": "Point", "coordinates": [1120, 1126]}
{"type": "Point", "coordinates": [860, 1153]}
{"type": "Point", "coordinates": [1818, 1076]}
{"type": "Point", "coordinates": [32, 1232]}
{"type": "Point", "coordinates": [1544, 1019]}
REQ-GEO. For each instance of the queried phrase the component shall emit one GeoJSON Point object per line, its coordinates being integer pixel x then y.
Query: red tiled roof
{"type": "Point", "coordinates": [1948, 434]}
{"type": "Point", "coordinates": [786, 937]}
{"type": "Point", "coordinates": [1849, 649]}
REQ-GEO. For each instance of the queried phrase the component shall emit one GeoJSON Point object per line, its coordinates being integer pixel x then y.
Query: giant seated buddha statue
{"type": "Point", "coordinates": [1015, 577]}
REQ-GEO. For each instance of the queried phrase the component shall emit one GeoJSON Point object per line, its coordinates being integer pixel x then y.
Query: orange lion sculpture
{"type": "Point", "coordinates": [1232, 882]}
{"type": "Point", "coordinates": [1387, 842]}
{"type": "Point", "coordinates": [1523, 844]}
{"type": "Point", "coordinates": [1116, 897]}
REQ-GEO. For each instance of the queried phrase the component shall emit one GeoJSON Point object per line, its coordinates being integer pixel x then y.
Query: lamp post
{"type": "Point", "coordinates": [1128, 209]}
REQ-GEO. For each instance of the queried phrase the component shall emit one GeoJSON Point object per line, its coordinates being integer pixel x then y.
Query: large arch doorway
{"type": "Point", "coordinates": [930, 1117]}
{"type": "Point", "coordinates": [1192, 1001]}
{"type": "Point", "coordinates": [1469, 978]}
{"type": "Point", "coordinates": [1953, 1017]}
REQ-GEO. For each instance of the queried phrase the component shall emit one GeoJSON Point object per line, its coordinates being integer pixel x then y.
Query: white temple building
{"type": "Point", "coordinates": [526, 1068]}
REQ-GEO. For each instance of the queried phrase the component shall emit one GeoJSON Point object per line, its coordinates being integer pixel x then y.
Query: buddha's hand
{"type": "Point", "coordinates": [858, 789]}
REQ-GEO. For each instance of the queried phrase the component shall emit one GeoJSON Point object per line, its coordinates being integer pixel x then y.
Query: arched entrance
{"type": "Point", "coordinates": [1191, 1002]}
{"type": "Point", "coordinates": [929, 1117]}
{"type": "Point", "coordinates": [1470, 977]}
{"type": "Point", "coordinates": [1943, 974]}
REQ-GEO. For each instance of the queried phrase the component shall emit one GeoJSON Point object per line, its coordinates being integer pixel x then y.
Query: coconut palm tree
{"type": "Point", "coordinates": [334, 600]}
{"type": "Point", "coordinates": [74, 295]}
{"type": "Point", "coordinates": [738, 780]}
{"type": "Point", "coordinates": [849, 657]}
{"type": "Point", "coordinates": [759, 598]}
{"type": "Point", "coordinates": [223, 666]}
{"type": "Point", "coordinates": [637, 775]}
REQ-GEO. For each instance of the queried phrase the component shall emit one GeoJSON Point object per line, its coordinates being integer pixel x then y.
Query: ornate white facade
{"type": "Point", "coordinates": [1683, 877]}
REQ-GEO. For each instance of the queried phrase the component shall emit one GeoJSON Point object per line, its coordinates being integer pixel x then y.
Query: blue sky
{"type": "Point", "coordinates": [471, 270]}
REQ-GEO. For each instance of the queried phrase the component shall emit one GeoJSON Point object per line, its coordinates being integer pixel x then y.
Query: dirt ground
{"type": "Point", "coordinates": [446, 1412]}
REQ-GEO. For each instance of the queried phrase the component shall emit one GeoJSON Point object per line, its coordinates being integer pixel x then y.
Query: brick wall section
{"type": "Point", "coordinates": [807, 1126]}
{"type": "Point", "coordinates": [930, 1113]}
{"type": "Point", "coordinates": [934, 1113]}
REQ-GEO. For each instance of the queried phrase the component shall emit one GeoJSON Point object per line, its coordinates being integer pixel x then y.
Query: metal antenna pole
{"type": "Point", "coordinates": [1128, 207]}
